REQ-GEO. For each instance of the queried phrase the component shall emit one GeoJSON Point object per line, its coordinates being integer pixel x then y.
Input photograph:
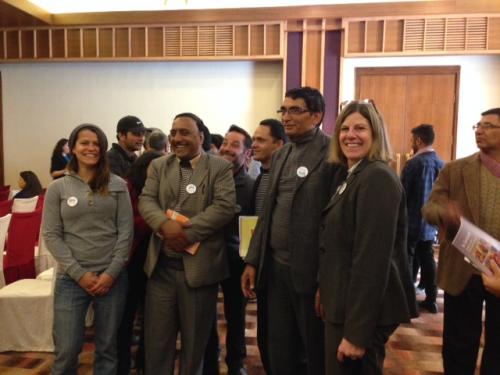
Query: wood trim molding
{"type": "Point", "coordinates": [422, 35]}
{"type": "Point", "coordinates": [220, 41]}
{"type": "Point", "coordinates": [31, 9]}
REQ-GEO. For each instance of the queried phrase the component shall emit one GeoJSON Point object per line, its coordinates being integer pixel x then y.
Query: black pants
{"type": "Point", "coordinates": [135, 298]}
{"type": "Point", "coordinates": [462, 330]}
{"type": "Point", "coordinates": [424, 253]}
{"type": "Point", "coordinates": [262, 327]}
{"type": "Point", "coordinates": [234, 312]}
{"type": "Point", "coordinates": [413, 261]}
{"type": "Point", "coordinates": [372, 363]}
{"type": "Point", "coordinates": [295, 334]}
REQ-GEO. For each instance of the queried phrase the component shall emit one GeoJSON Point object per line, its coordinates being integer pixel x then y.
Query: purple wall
{"type": "Point", "coordinates": [294, 60]}
{"type": "Point", "coordinates": [331, 79]}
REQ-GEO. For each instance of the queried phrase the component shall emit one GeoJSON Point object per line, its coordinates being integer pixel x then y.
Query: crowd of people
{"type": "Point", "coordinates": [332, 263]}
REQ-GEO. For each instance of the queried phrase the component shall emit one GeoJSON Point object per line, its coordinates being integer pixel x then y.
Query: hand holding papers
{"type": "Point", "coordinates": [478, 246]}
{"type": "Point", "coordinates": [183, 220]}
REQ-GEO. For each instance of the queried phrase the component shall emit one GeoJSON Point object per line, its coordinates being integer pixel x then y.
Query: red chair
{"type": "Point", "coordinates": [6, 207]}
{"type": "Point", "coordinates": [6, 187]}
{"type": "Point", "coordinates": [4, 195]}
{"type": "Point", "coordinates": [24, 230]}
{"type": "Point", "coordinates": [39, 202]}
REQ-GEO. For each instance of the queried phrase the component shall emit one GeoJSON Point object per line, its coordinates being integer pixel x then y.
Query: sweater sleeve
{"type": "Point", "coordinates": [52, 231]}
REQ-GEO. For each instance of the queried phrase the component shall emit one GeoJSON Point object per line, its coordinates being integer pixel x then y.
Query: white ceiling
{"type": "Point", "coordinates": [79, 6]}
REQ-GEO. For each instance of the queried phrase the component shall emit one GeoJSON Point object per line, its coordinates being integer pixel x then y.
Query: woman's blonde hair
{"type": "Point", "coordinates": [381, 147]}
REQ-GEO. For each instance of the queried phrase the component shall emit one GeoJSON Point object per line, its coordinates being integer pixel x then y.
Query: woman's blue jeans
{"type": "Point", "coordinates": [70, 308]}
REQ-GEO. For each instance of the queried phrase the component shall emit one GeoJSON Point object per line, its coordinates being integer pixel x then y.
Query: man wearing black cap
{"type": "Point", "coordinates": [130, 134]}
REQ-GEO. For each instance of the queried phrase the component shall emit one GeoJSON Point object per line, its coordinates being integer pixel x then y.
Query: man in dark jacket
{"type": "Point", "coordinates": [236, 148]}
{"type": "Point", "coordinates": [130, 134]}
{"type": "Point", "coordinates": [283, 255]}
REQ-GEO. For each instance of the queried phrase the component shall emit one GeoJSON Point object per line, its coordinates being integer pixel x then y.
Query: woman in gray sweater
{"type": "Point", "coordinates": [88, 227]}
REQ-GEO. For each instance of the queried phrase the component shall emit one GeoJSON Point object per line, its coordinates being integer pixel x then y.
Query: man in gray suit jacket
{"type": "Point", "coordinates": [283, 254]}
{"type": "Point", "coordinates": [181, 293]}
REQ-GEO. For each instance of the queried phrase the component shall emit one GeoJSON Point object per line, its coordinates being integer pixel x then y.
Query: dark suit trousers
{"type": "Point", "coordinates": [295, 334]}
{"type": "Point", "coordinates": [173, 306]}
{"type": "Point", "coordinates": [372, 362]}
{"type": "Point", "coordinates": [234, 311]}
{"type": "Point", "coordinates": [135, 298]}
{"type": "Point", "coordinates": [262, 328]}
{"type": "Point", "coordinates": [463, 327]}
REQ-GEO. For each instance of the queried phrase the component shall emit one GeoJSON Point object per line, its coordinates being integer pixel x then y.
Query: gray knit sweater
{"type": "Point", "coordinates": [87, 231]}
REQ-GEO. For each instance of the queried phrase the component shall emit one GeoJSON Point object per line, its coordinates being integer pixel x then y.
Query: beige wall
{"type": "Point", "coordinates": [42, 102]}
{"type": "Point", "coordinates": [479, 87]}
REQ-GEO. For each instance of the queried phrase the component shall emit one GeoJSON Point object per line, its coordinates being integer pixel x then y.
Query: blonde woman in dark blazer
{"type": "Point", "coordinates": [365, 285]}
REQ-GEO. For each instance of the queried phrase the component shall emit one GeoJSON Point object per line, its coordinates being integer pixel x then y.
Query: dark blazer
{"type": "Point", "coordinates": [364, 278]}
{"type": "Point", "coordinates": [459, 181]}
{"type": "Point", "coordinates": [210, 208]}
{"type": "Point", "coordinates": [119, 160]}
{"type": "Point", "coordinates": [310, 196]}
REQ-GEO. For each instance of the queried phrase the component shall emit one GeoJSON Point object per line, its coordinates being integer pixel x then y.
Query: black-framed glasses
{"type": "Point", "coordinates": [369, 102]}
{"type": "Point", "coordinates": [294, 110]}
{"type": "Point", "coordinates": [485, 126]}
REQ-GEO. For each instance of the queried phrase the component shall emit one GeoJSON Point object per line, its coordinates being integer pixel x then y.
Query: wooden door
{"type": "Point", "coordinates": [388, 93]}
{"type": "Point", "coordinates": [408, 97]}
{"type": "Point", "coordinates": [435, 96]}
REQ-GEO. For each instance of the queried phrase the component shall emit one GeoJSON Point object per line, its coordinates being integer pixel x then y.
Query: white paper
{"type": "Point", "coordinates": [478, 246]}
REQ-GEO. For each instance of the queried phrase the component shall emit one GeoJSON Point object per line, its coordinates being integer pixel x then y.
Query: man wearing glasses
{"type": "Point", "coordinates": [469, 187]}
{"type": "Point", "coordinates": [283, 254]}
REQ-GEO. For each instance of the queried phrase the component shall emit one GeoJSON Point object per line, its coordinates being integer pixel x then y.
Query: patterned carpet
{"type": "Point", "coordinates": [414, 349]}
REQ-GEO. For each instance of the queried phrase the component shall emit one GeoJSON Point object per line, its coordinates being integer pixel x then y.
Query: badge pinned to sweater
{"type": "Point", "coordinates": [72, 201]}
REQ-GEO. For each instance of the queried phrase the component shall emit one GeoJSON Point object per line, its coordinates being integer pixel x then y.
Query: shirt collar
{"type": "Point", "coordinates": [130, 154]}
{"type": "Point", "coordinates": [306, 137]}
{"type": "Point", "coordinates": [491, 164]}
{"type": "Point", "coordinates": [350, 170]}
{"type": "Point", "coordinates": [194, 161]}
{"type": "Point", "coordinates": [424, 150]}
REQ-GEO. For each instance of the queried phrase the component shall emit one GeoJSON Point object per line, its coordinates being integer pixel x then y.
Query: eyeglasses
{"type": "Point", "coordinates": [485, 126]}
{"type": "Point", "coordinates": [294, 111]}
{"type": "Point", "coordinates": [369, 102]}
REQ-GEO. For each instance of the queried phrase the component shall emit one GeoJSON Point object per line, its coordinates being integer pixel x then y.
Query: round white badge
{"type": "Point", "coordinates": [72, 201]}
{"type": "Point", "coordinates": [191, 189]}
{"type": "Point", "coordinates": [302, 172]}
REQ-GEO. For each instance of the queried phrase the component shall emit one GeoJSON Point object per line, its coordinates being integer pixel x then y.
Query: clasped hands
{"type": "Point", "coordinates": [174, 235]}
{"type": "Point", "coordinates": [96, 285]}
